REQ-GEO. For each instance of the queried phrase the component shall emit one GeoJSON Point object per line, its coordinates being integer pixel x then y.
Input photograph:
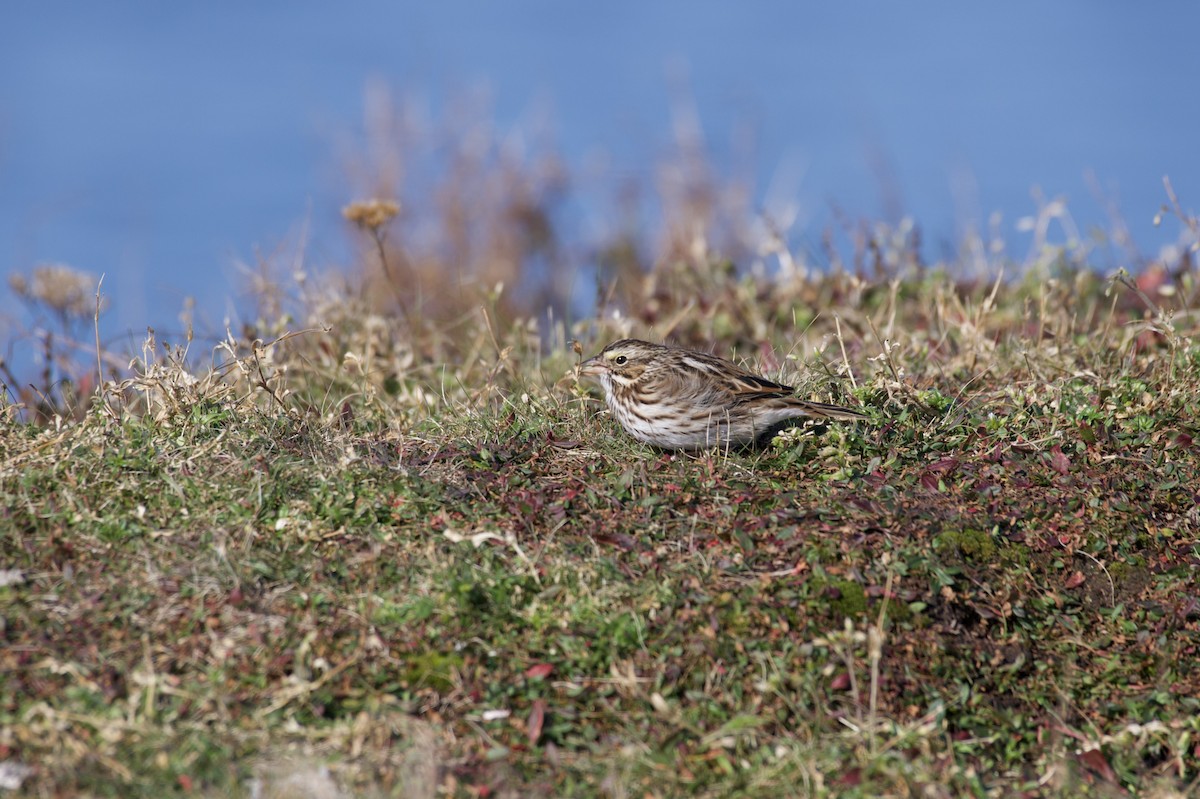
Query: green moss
{"type": "Point", "coordinates": [431, 670]}
{"type": "Point", "coordinates": [974, 546]}
{"type": "Point", "coordinates": [981, 548]}
{"type": "Point", "coordinates": [846, 598]}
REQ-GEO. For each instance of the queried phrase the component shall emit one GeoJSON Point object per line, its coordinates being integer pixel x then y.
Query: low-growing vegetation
{"type": "Point", "coordinates": [370, 549]}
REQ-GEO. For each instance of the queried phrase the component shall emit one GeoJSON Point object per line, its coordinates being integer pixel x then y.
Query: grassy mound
{"type": "Point", "coordinates": [370, 558]}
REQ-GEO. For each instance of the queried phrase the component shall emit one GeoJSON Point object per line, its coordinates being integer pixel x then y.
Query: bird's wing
{"type": "Point", "coordinates": [724, 381]}
{"type": "Point", "coordinates": [717, 383]}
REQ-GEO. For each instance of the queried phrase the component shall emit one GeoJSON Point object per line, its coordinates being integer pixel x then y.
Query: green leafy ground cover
{"type": "Point", "coordinates": [361, 559]}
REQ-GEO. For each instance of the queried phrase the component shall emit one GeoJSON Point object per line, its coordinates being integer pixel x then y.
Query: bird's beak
{"type": "Point", "coordinates": [592, 367]}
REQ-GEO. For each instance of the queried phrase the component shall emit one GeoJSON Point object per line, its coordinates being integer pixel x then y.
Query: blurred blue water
{"type": "Point", "coordinates": [158, 143]}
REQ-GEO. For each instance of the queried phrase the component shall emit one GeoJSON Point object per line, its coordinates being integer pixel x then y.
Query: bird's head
{"type": "Point", "coordinates": [622, 362]}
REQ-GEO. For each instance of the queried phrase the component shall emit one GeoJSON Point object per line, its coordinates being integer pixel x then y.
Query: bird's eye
{"type": "Point", "coordinates": [620, 360]}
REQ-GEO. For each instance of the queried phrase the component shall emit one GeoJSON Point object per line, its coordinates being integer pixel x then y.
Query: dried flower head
{"type": "Point", "coordinates": [66, 291]}
{"type": "Point", "coordinates": [371, 214]}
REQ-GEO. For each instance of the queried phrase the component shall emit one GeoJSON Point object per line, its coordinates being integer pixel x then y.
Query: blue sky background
{"type": "Point", "coordinates": [160, 142]}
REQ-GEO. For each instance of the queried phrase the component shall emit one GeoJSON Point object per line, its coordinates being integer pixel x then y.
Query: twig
{"type": "Point", "coordinates": [99, 361]}
{"type": "Point", "coordinates": [1112, 586]}
{"type": "Point", "coordinates": [837, 321]}
{"type": "Point", "coordinates": [1192, 222]}
{"type": "Point", "coordinates": [96, 328]}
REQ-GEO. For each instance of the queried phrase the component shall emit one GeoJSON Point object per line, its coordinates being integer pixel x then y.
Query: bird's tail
{"type": "Point", "coordinates": [823, 410]}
